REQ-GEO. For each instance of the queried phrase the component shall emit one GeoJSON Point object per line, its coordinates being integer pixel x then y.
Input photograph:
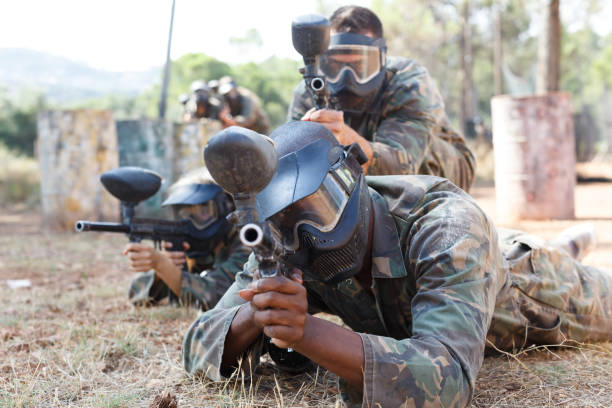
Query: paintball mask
{"type": "Point", "coordinates": [199, 86]}
{"type": "Point", "coordinates": [229, 91]}
{"type": "Point", "coordinates": [319, 204]}
{"type": "Point", "coordinates": [354, 68]}
{"type": "Point", "coordinates": [205, 206]}
{"type": "Point", "coordinates": [202, 105]}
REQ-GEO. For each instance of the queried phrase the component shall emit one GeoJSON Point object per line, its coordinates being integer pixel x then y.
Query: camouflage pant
{"type": "Point", "coordinates": [549, 297]}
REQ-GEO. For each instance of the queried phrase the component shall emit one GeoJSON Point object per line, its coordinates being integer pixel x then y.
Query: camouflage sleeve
{"type": "Point", "coordinates": [399, 146]}
{"type": "Point", "coordinates": [414, 136]}
{"type": "Point", "coordinates": [207, 288]}
{"type": "Point", "coordinates": [456, 161]}
{"type": "Point", "coordinates": [410, 111]}
{"type": "Point", "coordinates": [454, 254]}
{"type": "Point", "coordinates": [144, 289]}
{"type": "Point", "coordinates": [300, 104]}
{"type": "Point", "coordinates": [204, 342]}
{"type": "Point", "coordinates": [248, 113]}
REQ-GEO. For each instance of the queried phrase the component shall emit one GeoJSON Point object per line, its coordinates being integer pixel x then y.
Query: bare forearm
{"type": "Point", "coordinates": [338, 349]}
{"type": "Point", "coordinates": [241, 335]}
{"type": "Point", "coordinates": [170, 274]}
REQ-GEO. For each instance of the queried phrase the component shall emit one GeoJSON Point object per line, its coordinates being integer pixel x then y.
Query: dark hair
{"type": "Point", "coordinates": [355, 19]}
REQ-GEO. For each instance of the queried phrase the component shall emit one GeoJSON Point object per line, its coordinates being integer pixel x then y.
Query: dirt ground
{"type": "Point", "coordinates": [73, 340]}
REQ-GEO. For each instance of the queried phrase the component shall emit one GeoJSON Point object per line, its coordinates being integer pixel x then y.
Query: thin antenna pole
{"type": "Point", "coordinates": [164, 90]}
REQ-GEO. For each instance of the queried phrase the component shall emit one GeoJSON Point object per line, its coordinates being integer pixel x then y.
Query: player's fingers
{"type": "Point", "coordinates": [278, 300]}
{"type": "Point", "coordinates": [271, 317]}
{"type": "Point", "coordinates": [278, 284]}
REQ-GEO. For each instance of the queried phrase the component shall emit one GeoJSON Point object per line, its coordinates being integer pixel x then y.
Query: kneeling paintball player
{"type": "Point", "coordinates": [204, 277]}
{"type": "Point", "coordinates": [410, 263]}
{"type": "Point", "coordinates": [389, 105]}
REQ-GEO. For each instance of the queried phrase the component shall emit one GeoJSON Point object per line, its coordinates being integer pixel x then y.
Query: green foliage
{"type": "Point", "coordinates": [191, 67]}
{"type": "Point", "coordinates": [602, 65]}
{"type": "Point", "coordinates": [273, 81]}
{"type": "Point", "coordinates": [18, 120]}
{"type": "Point", "coordinates": [19, 178]}
{"type": "Point", "coordinates": [123, 106]}
{"type": "Point", "coordinates": [429, 31]}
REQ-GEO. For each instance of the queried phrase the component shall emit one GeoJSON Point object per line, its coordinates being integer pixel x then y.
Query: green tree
{"type": "Point", "coordinates": [273, 81]}
{"type": "Point", "coordinates": [18, 119]}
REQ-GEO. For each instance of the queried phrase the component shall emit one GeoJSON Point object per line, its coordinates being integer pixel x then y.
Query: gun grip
{"type": "Point", "coordinates": [177, 245]}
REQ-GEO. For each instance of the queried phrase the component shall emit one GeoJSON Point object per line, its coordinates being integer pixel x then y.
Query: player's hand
{"type": "Point", "coordinates": [279, 307]}
{"type": "Point", "coordinates": [141, 257]}
{"type": "Point", "coordinates": [334, 121]}
{"type": "Point", "coordinates": [177, 257]}
{"type": "Point", "coordinates": [226, 117]}
{"type": "Point", "coordinates": [331, 119]}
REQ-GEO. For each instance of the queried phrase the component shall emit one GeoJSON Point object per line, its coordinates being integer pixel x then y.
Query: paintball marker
{"type": "Point", "coordinates": [243, 162]}
{"type": "Point", "coordinates": [310, 36]}
{"type": "Point", "coordinates": [131, 185]}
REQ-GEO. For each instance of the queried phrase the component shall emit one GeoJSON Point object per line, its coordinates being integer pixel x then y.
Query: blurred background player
{"type": "Point", "coordinates": [200, 103]}
{"type": "Point", "coordinates": [241, 107]}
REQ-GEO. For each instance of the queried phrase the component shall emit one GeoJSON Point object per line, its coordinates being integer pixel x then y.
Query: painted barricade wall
{"type": "Point", "coordinates": [148, 143]}
{"type": "Point", "coordinates": [189, 141]}
{"type": "Point", "coordinates": [76, 146]}
{"type": "Point", "coordinates": [73, 148]}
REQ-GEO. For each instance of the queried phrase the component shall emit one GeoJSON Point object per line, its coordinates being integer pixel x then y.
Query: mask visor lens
{"type": "Point", "coordinates": [201, 215]}
{"type": "Point", "coordinates": [363, 61]}
{"type": "Point", "coordinates": [322, 210]}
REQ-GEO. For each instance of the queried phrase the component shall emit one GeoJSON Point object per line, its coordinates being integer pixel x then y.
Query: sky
{"type": "Point", "coordinates": [124, 35]}
{"type": "Point", "coordinates": [132, 35]}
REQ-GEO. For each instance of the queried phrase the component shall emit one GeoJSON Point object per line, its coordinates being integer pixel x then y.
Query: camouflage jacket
{"type": "Point", "coordinates": [408, 127]}
{"type": "Point", "coordinates": [439, 278]}
{"type": "Point", "coordinates": [205, 282]}
{"type": "Point", "coordinates": [251, 115]}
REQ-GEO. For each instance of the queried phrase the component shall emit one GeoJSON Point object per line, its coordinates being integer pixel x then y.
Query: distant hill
{"type": "Point", "coordinates": [64, 80]}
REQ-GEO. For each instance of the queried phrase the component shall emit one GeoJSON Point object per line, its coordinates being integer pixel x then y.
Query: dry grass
{"type": "Point", "coordinates": [576, 375]}
{"type": "Point", "coordinates": [19, 178]}
{"type": "Point", "coordinates": [73, 340]}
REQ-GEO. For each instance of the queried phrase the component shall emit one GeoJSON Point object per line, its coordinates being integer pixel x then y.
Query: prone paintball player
{"type": "Point", "coordinates": [409, 262]}
{"type": "Point", "coordinates": [204, 277]}
{"type": "Point", "coordinates": [201, 102]}
{"type": "Point", "coordinates": [389, 105]}
{"type": "Point", "coordinates": [241, 107]}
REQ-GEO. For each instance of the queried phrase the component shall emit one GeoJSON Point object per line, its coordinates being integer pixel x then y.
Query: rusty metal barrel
{"type": "Point", "coordinates": [534, 151]}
